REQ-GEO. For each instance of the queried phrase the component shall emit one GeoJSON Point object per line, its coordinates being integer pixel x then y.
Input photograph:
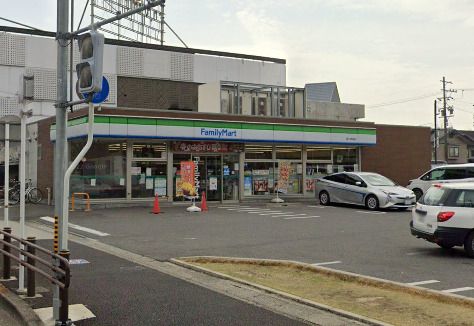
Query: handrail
{"type": "Point", "coordinates": [62, 280]}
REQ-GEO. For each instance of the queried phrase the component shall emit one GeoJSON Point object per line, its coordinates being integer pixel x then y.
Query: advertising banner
{"type": "Point", "coordinates": [283, 175]}
{"type": "Point", "coordinates": [185, 185]}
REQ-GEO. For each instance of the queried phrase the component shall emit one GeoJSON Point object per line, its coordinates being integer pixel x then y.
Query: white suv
{"type": "Point", "coordinates": [445, 216]}
{"type": "Point", "coordinates": [442, 174]}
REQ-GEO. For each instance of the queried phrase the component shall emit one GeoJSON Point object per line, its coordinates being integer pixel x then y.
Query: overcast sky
{"type": "Point", "coordinates": [378, 51]}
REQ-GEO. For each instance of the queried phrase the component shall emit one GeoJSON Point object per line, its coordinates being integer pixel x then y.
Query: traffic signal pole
{"type": "Point", "coordinates": [60, 156]}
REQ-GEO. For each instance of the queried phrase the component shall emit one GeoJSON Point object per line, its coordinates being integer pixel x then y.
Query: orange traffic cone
{"type": "Point", "coordinates": [156, 206]}
{"type": "Point", "coordinates": [203, 202]}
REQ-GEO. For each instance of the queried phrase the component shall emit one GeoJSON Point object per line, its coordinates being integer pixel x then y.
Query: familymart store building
{"type": "Point", "coordinates": [134, 157]}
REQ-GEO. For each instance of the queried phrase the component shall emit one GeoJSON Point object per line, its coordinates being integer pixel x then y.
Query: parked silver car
{"type": "Point", "coordinates": [371, 190]}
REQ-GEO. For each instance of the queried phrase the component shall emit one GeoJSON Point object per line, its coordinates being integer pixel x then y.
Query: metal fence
{"type": "Point", "coordinates": [56, 269]}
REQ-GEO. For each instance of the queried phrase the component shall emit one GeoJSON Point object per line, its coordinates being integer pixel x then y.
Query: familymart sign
{"type": "Point", "coordinates": [178, 129]}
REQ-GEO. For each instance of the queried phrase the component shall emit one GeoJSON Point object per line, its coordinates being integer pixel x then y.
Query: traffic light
{"type": "Point", "coordinates": [89, 68]}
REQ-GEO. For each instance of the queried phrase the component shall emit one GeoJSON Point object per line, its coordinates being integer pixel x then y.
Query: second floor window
{"type": "Point", "coordinates": [453, 151]}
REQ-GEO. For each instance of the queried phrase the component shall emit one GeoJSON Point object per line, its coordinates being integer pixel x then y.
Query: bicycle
{"type": "Point", "coordinates": [32, 194]}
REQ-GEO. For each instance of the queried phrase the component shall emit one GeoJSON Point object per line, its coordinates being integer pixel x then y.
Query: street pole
{"type": "Point", "coordinates": [435, 132]}
{"type": "Point", "coordinates": [445, 116]}
{"type": "Point", "coordinates": [21, 275]}
{"type": "Point", "coordinates": [61, 120]}
{"type": "Point", "coordinates": [6, 188]}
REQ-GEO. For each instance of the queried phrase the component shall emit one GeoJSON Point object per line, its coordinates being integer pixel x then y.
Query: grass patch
{"type": "Point", "coordinates": [387, 303]}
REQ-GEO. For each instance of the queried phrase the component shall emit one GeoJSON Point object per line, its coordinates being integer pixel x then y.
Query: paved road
{"type": "Point", "coordinates": [347, 238]}
{"type": "Point", "coordinates": [119, 292]}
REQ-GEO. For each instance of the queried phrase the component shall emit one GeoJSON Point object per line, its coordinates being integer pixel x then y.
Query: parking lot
{"type": "Point", "coordinates": [353, 239]}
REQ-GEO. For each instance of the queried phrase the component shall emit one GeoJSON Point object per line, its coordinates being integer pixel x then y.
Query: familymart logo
{"type": "Point", "coordinates": [219, 132]}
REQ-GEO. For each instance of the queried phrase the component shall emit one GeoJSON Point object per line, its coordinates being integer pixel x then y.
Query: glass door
{"type": "Point", "coordinates": [213, 178]}
{"type": "Point", "coordinates": [230, 164]}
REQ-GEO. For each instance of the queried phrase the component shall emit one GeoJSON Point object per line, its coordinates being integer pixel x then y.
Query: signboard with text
{"type": "Point", "coordinates": [185, 184]}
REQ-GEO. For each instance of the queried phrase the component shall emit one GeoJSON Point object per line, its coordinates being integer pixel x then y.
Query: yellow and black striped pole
{"type": "Point", "coordinates": [56, 234]}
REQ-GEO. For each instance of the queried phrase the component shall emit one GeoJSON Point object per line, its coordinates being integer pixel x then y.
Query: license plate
{"type": "Point", "coordinates": [407, 202]}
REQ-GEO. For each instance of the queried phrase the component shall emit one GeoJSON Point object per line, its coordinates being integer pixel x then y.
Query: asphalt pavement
{"type": "Point", "coordinates": [347, 238]}
{"type": "Point", "coordinates": [119, 292]}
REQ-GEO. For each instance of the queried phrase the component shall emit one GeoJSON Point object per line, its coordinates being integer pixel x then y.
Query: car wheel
{"type": "Point", "coordinates": [469, 245]}
{"type": "Point", "coordinates": [445, 245]}
{"type": "Point", "coordinates": [418, 193]}
{"type": "Point", "coordinates": [324, 198]}
{"type": "Point", "coordinates": [371, 202]}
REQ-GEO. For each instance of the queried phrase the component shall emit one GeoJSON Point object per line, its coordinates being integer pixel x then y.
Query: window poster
{"type": "Point", "coordinates": [247, 186]}
{"type": "Point", "coordinates": [309, 184]}
{"type": "Point", "coordinates": [212, 183]}
{"type": "Point", "coordinates": [136, 170]}
{"type": "Point", "coordinates": [260, 185]}
{"type": "Point", "coordinates": [149, 183]}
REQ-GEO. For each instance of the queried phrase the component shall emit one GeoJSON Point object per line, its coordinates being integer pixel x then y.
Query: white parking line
{"type": "Point", "coordinates": [327, 263]}
{"type": "Point", "coordinates": [374, 213]}
{"type": "Point", "coordinates": [423, 282]}
{"type": "Point", "coordinates": [317, 206]}
{"type": "Point", "coordinates": [248, 209]}
{"type": "Point", "coordinates": [291, 215]}
{"type": "Point", "coordinates": [232, 206]}
{"type": "Point", "coordinates": [265, 212]}
{"type": "Point", "coordinates": [77, 227]}
{"type": "Point", "coordinates": [299, 217]}
{"type": "Point", "coordinates": [276, 213]}
{"type": "Point", "coordinates": [458, 290]}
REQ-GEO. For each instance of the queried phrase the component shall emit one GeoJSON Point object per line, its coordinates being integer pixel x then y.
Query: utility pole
{"type": "Point", "coordinates": [445, 122]}
{"type": "Point", "coordinates": [444, 113]}
{"type": "Point", "coordinates": [435, 132]}
{"type": "Point", "coordinates": [61, 118]}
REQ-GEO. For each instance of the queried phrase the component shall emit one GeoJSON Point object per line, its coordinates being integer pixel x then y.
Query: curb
{"type": "Point", "coordinates": [285, 295]}
{"type": "Point", "coordinates": [347, 276]}
{"type": "Point", "coordinates": [344, 276]}
{"type": "Point", "coordinates": [19, 307]}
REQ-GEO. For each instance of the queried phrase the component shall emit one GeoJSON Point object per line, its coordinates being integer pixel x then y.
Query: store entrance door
{"type": "Point", "coordinates": [213, 174]}
{"type": "Point", "coordinates": [210, 170]}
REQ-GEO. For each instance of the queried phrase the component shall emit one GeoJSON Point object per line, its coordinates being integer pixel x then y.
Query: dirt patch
{"type": "Point", "coordinates": [387, 304]}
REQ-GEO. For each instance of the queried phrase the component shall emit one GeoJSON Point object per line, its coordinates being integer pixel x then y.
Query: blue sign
{"type": "Point", "coordinates": [101, 96]}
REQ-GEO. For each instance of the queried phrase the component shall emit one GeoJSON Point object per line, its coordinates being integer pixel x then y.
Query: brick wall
{"type": "Point", "coordinates": [156, 94]}
{"type": "Point", "coordinates": [402, 153]}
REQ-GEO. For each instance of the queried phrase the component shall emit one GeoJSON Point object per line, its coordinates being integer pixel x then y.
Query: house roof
{"type": "Point", "coordinates": [466, 135]}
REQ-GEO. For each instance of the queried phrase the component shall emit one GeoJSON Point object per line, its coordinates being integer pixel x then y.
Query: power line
{"type": "Point", "coordinates": [18, 23]}
{"type": "Point", "coordinates": [401, 101]}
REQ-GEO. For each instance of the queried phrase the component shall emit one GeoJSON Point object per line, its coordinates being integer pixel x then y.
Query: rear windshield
{"type": "Point", "coordinates": [434, 196]}
{"type": "Point", "coordinates": [437, 196]}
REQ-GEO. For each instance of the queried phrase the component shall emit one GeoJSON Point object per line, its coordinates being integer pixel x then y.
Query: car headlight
{"type": "Point", "coordinates": [389, 193]}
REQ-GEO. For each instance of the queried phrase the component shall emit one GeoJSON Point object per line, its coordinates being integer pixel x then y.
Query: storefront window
{"type": "Point", "coordinates": [314, 171]}
{"type": "Point", "coordinates": [148, 179]}
{"type": "Point", "coordinates": [258, 152]}
{"type": "Point", "coordinates": [291, 152]}
{"type": "Point", "coordinates": [258, 178]}
{"type": "Point", "coordinates": [149, 150]}
{"type": "Point", "coordinates": [102, 171]}
{"type": "Point", "coordinates": [318, 153]}
{"type": "Point", "coordinates": [345, 159]}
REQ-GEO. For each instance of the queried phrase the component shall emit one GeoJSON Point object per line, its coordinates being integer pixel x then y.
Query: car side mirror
{"type": "Point", "coordinates": [359, 184]}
